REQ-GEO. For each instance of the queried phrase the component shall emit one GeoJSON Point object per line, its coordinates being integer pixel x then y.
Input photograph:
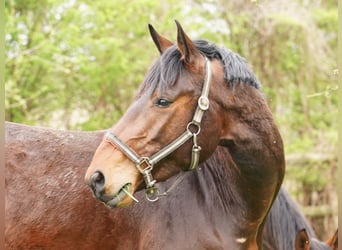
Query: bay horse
{"type": "Point", "coordinates": [48, 206]}
{"type": "Point", "coordinates": [199, 104]}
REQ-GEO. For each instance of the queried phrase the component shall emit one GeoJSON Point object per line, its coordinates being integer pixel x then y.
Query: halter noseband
{"type": "Point", "coordinates": [152, 192]}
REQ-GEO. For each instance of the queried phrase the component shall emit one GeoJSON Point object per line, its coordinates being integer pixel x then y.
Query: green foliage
{"type": "Point", "coordinates": [77, 64]}
{"type": "Point", "coordinates": [71, 57]}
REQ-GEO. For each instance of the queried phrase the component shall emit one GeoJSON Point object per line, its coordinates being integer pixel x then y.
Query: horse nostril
{"type": "Point", "coordinates": [97, 181]}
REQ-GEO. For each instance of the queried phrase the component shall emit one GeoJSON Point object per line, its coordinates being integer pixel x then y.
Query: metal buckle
{"type": "Point", "coordinates": [148, 178]}
{"type": "Point", "coordinates": [144, 161]}
{"type": "Point", "coordinates": [152, 192]}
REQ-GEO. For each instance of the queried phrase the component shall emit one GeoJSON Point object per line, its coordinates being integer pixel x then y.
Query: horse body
{"type": "Point", "coordinates": [44, 191]}
{"type": "Point", "coordinates": [48, 206]}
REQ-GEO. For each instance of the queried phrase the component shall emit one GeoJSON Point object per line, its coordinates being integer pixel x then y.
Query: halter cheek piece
{"type": "Point", "coordinates": [145, 164]}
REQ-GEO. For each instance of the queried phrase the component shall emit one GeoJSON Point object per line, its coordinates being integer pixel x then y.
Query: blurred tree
{"type": "Point", "coordinates": [76, 64]}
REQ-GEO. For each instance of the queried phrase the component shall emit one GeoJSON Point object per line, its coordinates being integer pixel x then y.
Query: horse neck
{"type": "Point", "coordinates": [254, 149]}
{"type": "Point", "coordinates": [215, 180]}
{"type": "Point", "coordinates": [252, 139]}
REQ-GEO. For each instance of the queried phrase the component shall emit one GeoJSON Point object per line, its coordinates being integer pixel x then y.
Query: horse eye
{"type": "Point", "coordinates": [162, 103]}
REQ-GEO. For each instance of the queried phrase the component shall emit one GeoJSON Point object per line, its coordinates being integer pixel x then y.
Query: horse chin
{"type": "Point", "coordinates": [124, 198]}
{"type": "Point", "coordinates": [116, 203]}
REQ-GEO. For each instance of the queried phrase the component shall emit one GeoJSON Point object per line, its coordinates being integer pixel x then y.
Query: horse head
{"type": "Point", "coordinates": [195, 98]}
{"type": "Point", "coordinates": [304, 242]}
{"type": "Point", "coordinates": [163, 111]}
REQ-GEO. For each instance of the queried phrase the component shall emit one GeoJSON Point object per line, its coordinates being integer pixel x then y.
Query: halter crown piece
{"type": "Point", "coordinates": [145, 164]}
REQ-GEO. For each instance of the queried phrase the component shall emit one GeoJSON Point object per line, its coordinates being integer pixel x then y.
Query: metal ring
{"type": "Point", "coordinates": [150, 198]}
{"type": "Point", "coordinates": [196, 125]}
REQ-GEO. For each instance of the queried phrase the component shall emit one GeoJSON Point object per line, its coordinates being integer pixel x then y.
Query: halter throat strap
{"type": "Point", "coordinates": [146, 164]}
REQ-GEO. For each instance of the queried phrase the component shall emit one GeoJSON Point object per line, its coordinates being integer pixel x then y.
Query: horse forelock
{"type": "Point", "coordinates": [166, 70]}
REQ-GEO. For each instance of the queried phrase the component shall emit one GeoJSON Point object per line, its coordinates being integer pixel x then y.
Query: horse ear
{"type": "Point", "coordinates": [302, 241]}
{"type": "Point", "coordinates": [161, 42]}
{"type": "Point", "coordinates": [186, 47]}
{"type": "Point", "coordinates": [333, 241]}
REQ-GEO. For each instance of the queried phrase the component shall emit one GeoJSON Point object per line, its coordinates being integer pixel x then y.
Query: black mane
{"type": "Point", "coordinates": [283, 223]}
{"type": "Point", "coordinates": [165, 71]}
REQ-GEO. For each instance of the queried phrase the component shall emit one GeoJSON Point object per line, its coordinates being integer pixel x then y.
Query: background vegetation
{"type": "Point", "coordinates": [75, 64]}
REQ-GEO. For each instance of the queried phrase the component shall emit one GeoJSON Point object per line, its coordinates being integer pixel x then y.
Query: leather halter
{"type": "Point", "coordinates": [152, 192]}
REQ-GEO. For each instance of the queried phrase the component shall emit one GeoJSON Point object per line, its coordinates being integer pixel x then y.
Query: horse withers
{"type": "Point", "coordinates": [199, 104]}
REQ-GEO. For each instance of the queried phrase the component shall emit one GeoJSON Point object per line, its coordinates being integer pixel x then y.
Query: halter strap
{"type": "Point", "coordinates": [152, 192]}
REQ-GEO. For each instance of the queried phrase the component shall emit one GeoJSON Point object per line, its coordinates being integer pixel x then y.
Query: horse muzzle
{"type": "Point", "coordinates": [123, 198]}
